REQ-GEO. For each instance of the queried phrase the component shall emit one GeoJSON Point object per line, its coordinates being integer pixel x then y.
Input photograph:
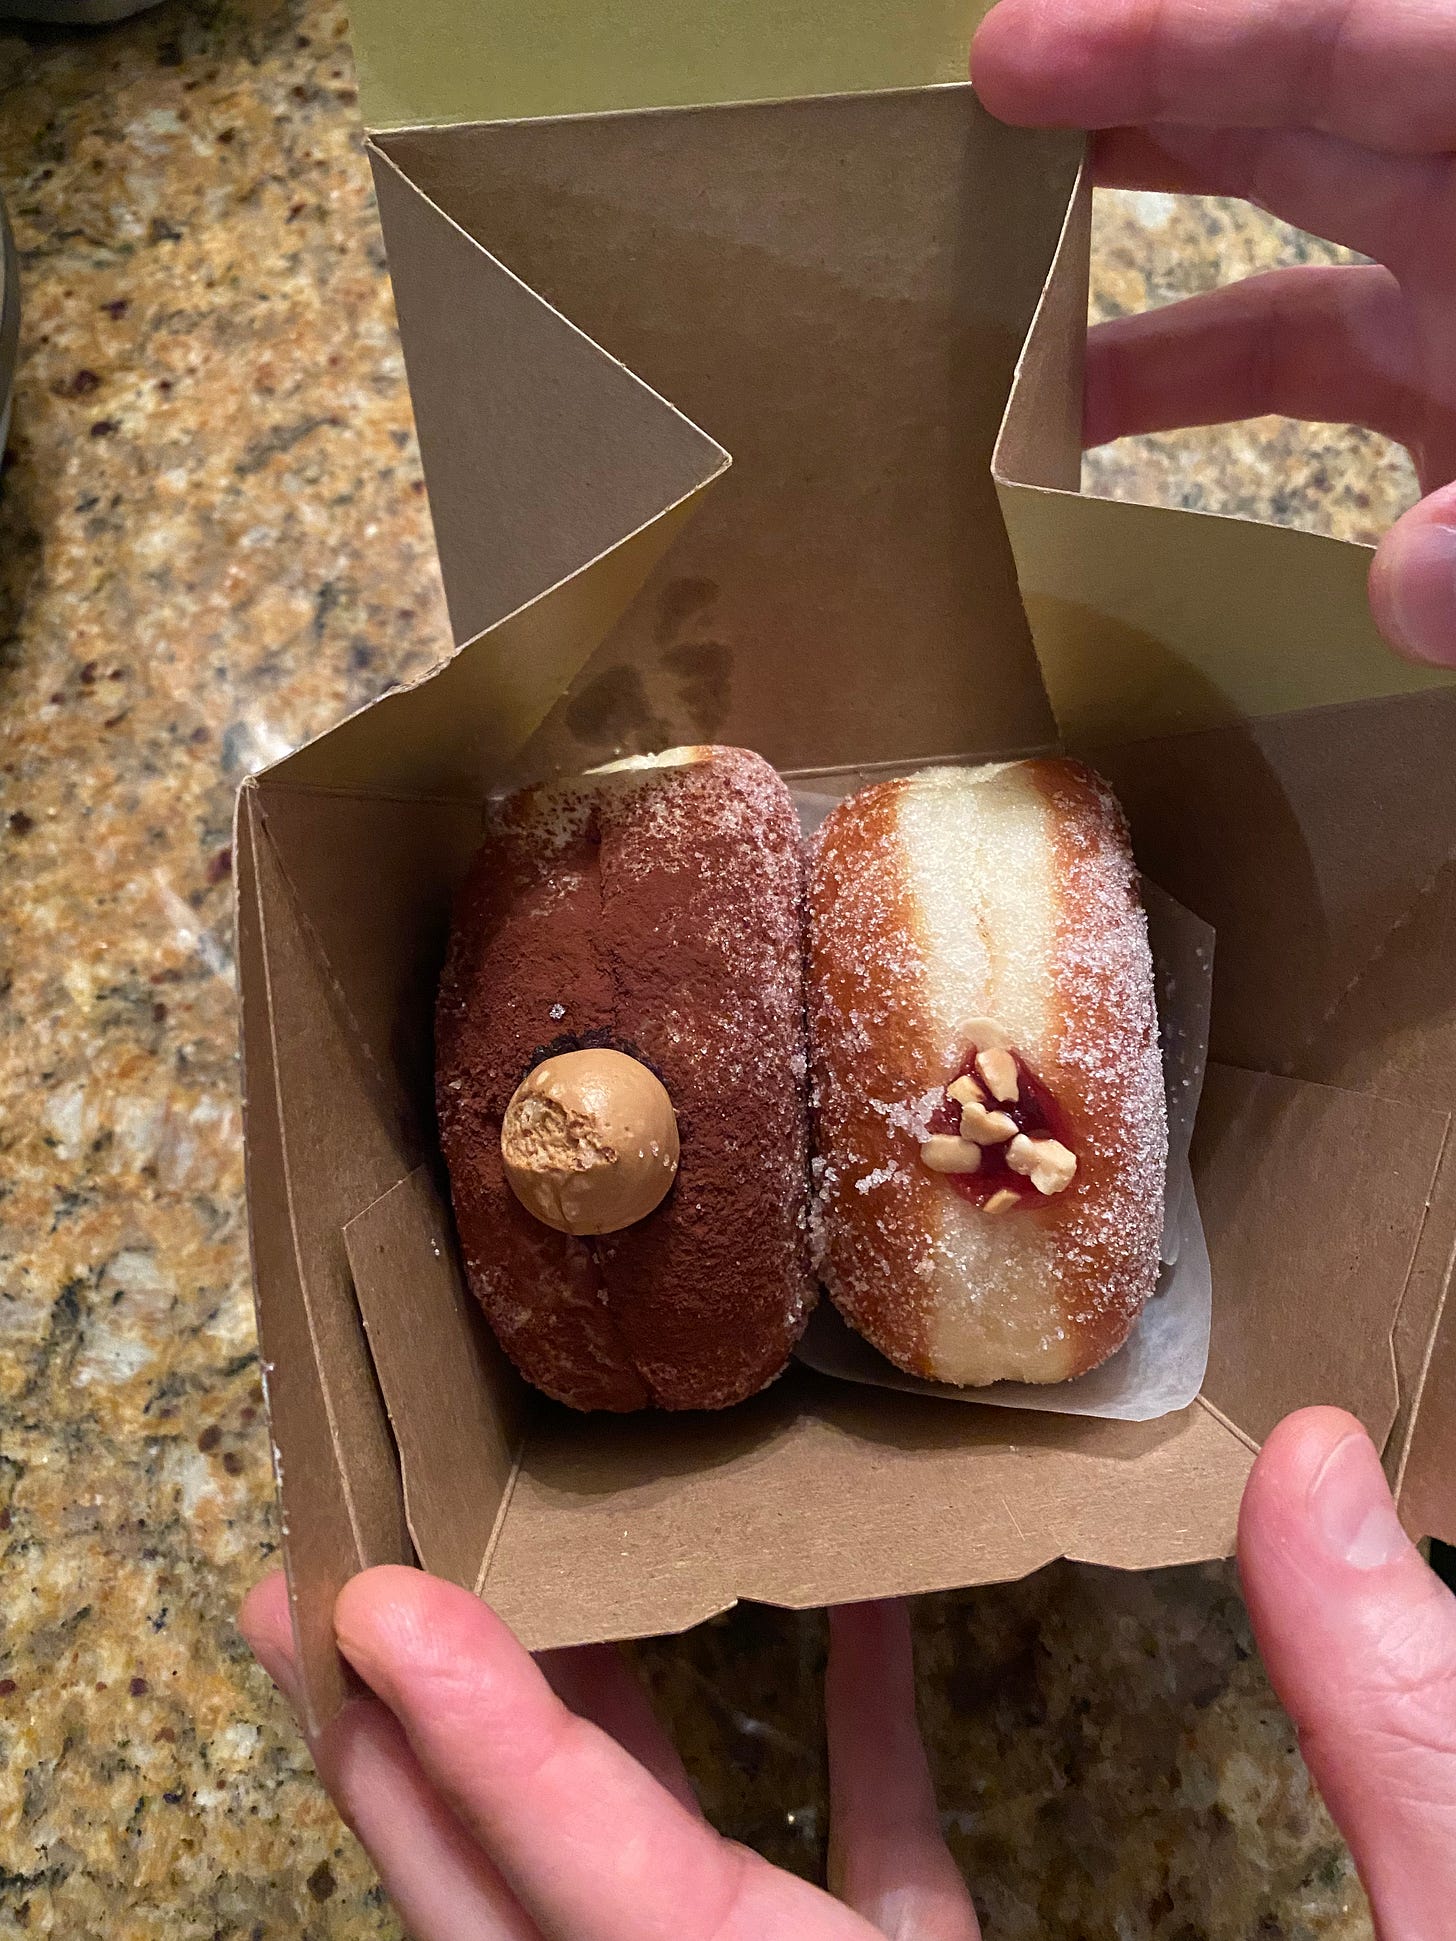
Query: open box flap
{"type": "Point", "coordinates": [457, 731]}
{"type": "Point", "coordinates": [380, 954]}
{"type": "Point", "coordinates": [557, 480]}
{"type": "Point", "coordinates": [1239, 621]}
{"type": "Point", "coordinates": [1245, 619]}
{"type": "Point", "coordinates": [837, 290]}
{"type": "Point", "coordinates": [445, 61]}
{"type": "Point", "coordinates": [542, 451]}
{"type": "Point", "coordinates": [1309, 841]}
{"type": "Point", "coordinates": [858, 337]}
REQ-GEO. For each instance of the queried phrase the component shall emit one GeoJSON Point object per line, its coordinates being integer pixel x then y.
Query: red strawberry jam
{"type": "Point", "coordinates": [1033, 1111]}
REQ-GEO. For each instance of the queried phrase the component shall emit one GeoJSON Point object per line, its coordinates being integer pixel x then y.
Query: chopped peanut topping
{"type": "Point", "coordinates": [942, 1152]}
{"type": "Point", "coordinates": [985, 1127]}
{"type": "Point", "coordinates": [1003, 1201]}
{"type": "Point", "coordinates": [966, 1091]}
{"type": "Point", "coordinates": [998, 1074]}
{"type": "Point", "coordinates": [1047, 1163]}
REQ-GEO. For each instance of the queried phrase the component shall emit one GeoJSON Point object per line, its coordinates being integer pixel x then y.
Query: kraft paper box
{"type": "Point", "coordinates": [628, 241]}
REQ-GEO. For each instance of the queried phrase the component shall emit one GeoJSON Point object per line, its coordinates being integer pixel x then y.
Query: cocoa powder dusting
{"type": "Point", "coordinates": [658, 911]}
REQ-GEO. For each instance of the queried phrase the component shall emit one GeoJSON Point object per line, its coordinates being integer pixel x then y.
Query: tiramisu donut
{"type": "Point", "coordinates": [991, 1132]}
{"type": "Point", "coordinates": [653, 910]}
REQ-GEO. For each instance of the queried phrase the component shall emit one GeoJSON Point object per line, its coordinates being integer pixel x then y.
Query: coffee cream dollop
{"type": "Point", "coordinates": [590, 1142]}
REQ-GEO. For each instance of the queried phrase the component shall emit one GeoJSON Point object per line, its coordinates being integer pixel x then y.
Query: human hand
{"type": "Point", "coordinates": [1340, 117]}
{"type": "Point", "coordinates": [497, 1808]}
{"type": "Point", "coordinates": [1359, 1639]}
{"type": "Point", "coordinates": [494, 1811]}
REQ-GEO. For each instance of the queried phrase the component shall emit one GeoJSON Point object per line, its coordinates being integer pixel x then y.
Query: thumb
{"type": "Point", "coordinates": [1413, 581]}
{"type": "Point", "coordinates": [1359, 1638]}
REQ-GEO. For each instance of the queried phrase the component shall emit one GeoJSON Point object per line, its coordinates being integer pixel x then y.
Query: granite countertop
{"type": "Point", "coordinates": [214, 539]}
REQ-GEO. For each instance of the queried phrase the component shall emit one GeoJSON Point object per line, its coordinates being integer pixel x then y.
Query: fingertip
{"type": "Point", "coordinates": [870, 1676]}
{"type": "Point", "coordinates": [1413, 582]}
{"type": "Point", "coordinates": [1104, 414]}
{"type": "Point", "coordinates": [374, 1596]}
{"type": "Point", "coordinates": [1013, 57]}
{"type": "Point", "coordinates": [1295, 1448]}
{"type": "Point", "coordinates": [263, 1613]}
{"type": "Point", "coordinates": [887, 1857]}
{"type": "Point", "coordinates": [1318, 1516]}
{"type": "Point", "coordinates": [388, 1616]}
{"type": "Point", "coordinates": [1286, 1467]}
{"type": "Point", "coordinates": [266, 1625]}
{"type": "Point", "coordinates": [873, 1617]}
{"type": "Point", "coordinates": [1359, 1641]}
{"type": "Point", "coordinates": [406, 1632]}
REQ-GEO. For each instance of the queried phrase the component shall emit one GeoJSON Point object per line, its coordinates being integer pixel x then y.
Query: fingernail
{"type": "Point", "coordinates": [1421, 595]}
{"type": "Point", "coordinates": [1351, 1509]}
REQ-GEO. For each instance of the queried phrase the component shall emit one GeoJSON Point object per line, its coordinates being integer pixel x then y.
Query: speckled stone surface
{"type": "Point", "coordinates": [1151, 249]}
{"type": "Point", "coordinates": [213, 539]}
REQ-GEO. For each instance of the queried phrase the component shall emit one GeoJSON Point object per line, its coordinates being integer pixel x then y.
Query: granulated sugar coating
{"type": "Point", "coordinates": [656, 907]}
{"type": "Point", "coordinates": [945, 909]}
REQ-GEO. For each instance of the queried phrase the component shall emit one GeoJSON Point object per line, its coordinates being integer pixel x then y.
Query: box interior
{"type": "Point", "coordinates": [846, 592]}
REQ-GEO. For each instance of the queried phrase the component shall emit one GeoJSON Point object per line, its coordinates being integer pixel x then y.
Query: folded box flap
{"type": "Point", "coordinates": [343, 906]}
{"type": "Point", "coordinates": [1391, 1027]}
{"type": "Point", "coordinates": [1039, 439]}
{"type": "Point", "coordinates": [542, 451]}
{"type": "Point", "coordinates": [821, 1493]}
{"type": "Point", "coordinates": [337, 1476]}
{"type": "Point", "coordinates": [1239, 620]}
{"type": "Point", "coordinates": [457, 1409]}
{"type": "Point", "coordinates": [370, 880]}
{"type": "Point", "coordinates": [1308, 841]}
{"type": "Point", "coordinates": [1393, 1030]}
{"type": "Point", "coordinates": [464, 727]}
{"type": "Point", "coordinates": [1314, 1201]}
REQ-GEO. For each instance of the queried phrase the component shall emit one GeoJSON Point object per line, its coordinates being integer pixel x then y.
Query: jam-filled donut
{"type": "Point", "coordinates": [990, 1124]}
{"type": "Point", "coordinates": [621, 1081]}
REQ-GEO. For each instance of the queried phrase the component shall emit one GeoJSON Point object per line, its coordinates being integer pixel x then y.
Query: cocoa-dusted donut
{"type": "Point", "coordinates": [990, 1123]}
{"type": "Point", "coordinates": [654, 908]}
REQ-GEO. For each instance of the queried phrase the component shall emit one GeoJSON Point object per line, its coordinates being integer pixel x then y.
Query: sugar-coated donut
{"type": "Point", "coordinates": [655, 908]}
{"type": "Point", "coordinates": [990, 1123]}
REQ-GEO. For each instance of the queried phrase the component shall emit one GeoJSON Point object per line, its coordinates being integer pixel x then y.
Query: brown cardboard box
{"type": "Point", "coordinates": [861, 295]}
